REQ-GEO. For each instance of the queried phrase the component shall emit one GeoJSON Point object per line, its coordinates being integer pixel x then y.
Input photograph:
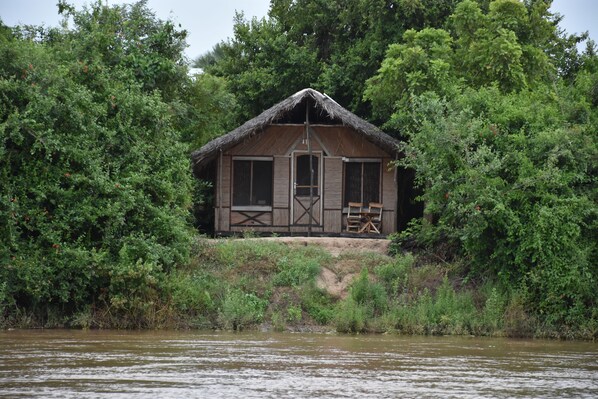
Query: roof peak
{"type": "Point", "coordinates": [334, 111]}
{"type": "Point", "coordinates": [302, 92]}
{"type": "Point", "coordinates": [314, 92]}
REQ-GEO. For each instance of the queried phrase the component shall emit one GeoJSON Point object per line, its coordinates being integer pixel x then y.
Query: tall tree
{"type": "Point", "coordinates": [332, 45]}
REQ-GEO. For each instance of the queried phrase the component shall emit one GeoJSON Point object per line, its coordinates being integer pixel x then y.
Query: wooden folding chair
{"type": "Point", "coordinates": [354, 216]}
{"type": "Point", "coordinates": [376, 218]}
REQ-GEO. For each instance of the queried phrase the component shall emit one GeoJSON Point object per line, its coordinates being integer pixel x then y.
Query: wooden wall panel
{"type": "Point", "coordinates": [247, 218]}
{"type": "Point", "coordinates": [333, 183]}
{"type": "Point", "coordinates": [343, 141]}
{"type": "Point", "coordinates": [304, 229]}
{"type": "Point", "coordinates": [301, 216]}
{"type": "Point", "coordinates": [281, 182]}
{"type": "Point", "coordinates": [315, 146]}
{"type": "Point", "coordinates": [389, 186]}
{"type": "Point", "coordinates": [389, 220]}
{"type": "Point", "coordinates": [225, 178]}
{"type": "Point", "coordinates": [333, 221]}
{"type": "Point", "coordinates": [259, 229]}
{"type": "Point", "coordinates": [222, 219]}
{"type": "Point", "coordinates": [280, 217]}
{"type": "Point", "coordinates": [274, 140]}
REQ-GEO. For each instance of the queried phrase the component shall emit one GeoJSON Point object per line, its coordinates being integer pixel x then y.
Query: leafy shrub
{"type": "Point", "coordinates": [195, 296]}
{"type": "Point", "coordinates": [96, 183]}
{"type": "Point", "coordinates": [295, 271]}
{"type": "Point", "coordinates": [294, 314]}
{"type": "Point", "coordinates": [494, 310]}
{"type": "Point", "coordinates": [369, 294]}
{"type": "Point", "coordinates": [517, 321]}
{"type": "Point", "coordinates": [318, 305]}
{"type": "Point", "coordinates": [350, 317]}
{"type": "Point", "coordinates": [509, 186]}
{"type": "Point", "coordinates": [241, 310]}
{"type": "Point", "coordinates": [393, 275]}
{"type": "Point", "coordinates": [133, 294]}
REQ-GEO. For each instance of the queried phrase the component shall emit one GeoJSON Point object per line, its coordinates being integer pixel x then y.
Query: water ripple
{"type": "Point", "coordinates": [109, 364]}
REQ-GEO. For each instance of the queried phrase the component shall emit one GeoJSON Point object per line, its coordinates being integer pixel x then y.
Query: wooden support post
{"type": "Point", "coordinates": [311, 170]}
{"type": "Point", "coordinates": [220, 171]}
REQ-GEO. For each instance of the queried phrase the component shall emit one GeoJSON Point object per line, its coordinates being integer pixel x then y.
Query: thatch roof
{"type": "Point", "coordinates": [320, 101]}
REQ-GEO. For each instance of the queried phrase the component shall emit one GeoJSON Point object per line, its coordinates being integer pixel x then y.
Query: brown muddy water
{"type": "Point", "coordinates": [116, 364]}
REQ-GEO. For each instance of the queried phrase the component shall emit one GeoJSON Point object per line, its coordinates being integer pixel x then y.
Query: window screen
{"type": "Point", "coordinates": [252, 183]}
{"type": "Point", "coordinates": [362, 182]}
{"type": "Point", "coordinates": [352, 182]}
{"type": "Point", "coordinates": [371, 182]}
{"type": "Point", "coordinates": [303, 175]}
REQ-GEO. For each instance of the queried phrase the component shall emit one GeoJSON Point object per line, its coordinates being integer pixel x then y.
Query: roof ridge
{"type": "Point", "coordinates": [256, 124]}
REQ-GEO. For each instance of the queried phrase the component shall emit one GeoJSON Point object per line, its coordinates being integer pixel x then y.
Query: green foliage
{"type": "Point", "coordinates": [195, 295]}
{"type": "Point", "coordinates": [498, 107]}
{"type": "Point", "coordinates": [132, 289]}
{"type": "Point", "coordinates": [95, 194]}
{"type": "Point", "coordinates": [510, 184]}
{"type": "Point", "coordinates": [393, 276]}
{"type": "Point", "coordinates": [473, 49]}
{"type": "Point", "coordinates": [238, 275]}
{"type": "Point", "coordinates": [294, 314]}
{"type": "Point", "coordinates": [367, 293]}
{"type": "Point", "coordinates": [333, 46]}
{"type": "Point", "coordinates": [494, 309]}
{"type": "Point", "coordinates": [241, 310]}
{"type": "Point", "coordinates": [422, 63]}
{"type": "Point", "coordinates": [366, 300]}
{"type": "Point", "coordinates": [503, 150]}
{"type": "Point", "coordinates": [350, 317]}
{"type": "Point", "coordinates": [318, 305]}
{"type": "Point", "coordinates": [296, 271]}
{"type": "Point", "coordinates": [263, 65]}
{"type": "Point", "coordinates": [446, 312]}
{"type": "Point", "coordinates": [204, 110]}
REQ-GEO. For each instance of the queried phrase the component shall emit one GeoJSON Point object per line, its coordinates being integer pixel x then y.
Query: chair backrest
{"type": "Point", "coordinates": [376, 207]}
{"type": "Point", "coordinates": [354, 208]}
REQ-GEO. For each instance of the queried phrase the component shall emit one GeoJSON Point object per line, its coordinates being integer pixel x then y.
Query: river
{"type": "Point", "coordinates": [171, 364]}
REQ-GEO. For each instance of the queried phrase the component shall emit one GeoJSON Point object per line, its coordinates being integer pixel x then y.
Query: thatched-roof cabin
{"type": "Point", "coordinates": [295, 167]}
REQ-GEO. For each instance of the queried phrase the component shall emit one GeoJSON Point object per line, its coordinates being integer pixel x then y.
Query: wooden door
{"type": "Point", "coordinates": [307, 191]}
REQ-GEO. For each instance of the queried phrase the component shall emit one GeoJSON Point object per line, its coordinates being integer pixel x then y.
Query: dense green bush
{"type": "Point", "coordinates": [295, 271]}
{"type": "Point", "coordinates": [499, 115]}
{"type": "Point", "coordinates": [367, 299]}
{"type": "Point", "coordinates": [351, 317]}
{"type": "Point", "coordinates": [95, 180]}
{"type": "Point", "coordinates": [393, 275]}
{"type": "Point", "coordinates": [241, 310]}
{"type": "Point", "coordinates": [514, 193]}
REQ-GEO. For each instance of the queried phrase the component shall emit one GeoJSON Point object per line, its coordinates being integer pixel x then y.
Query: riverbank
{"type": "Point", "coordinates": [304, 285]}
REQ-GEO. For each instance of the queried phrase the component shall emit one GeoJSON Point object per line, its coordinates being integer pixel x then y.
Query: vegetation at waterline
{"type": "Point", "coordinates": [498, 110]}
{"type": "Point", "coordinates": [238, 284]}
